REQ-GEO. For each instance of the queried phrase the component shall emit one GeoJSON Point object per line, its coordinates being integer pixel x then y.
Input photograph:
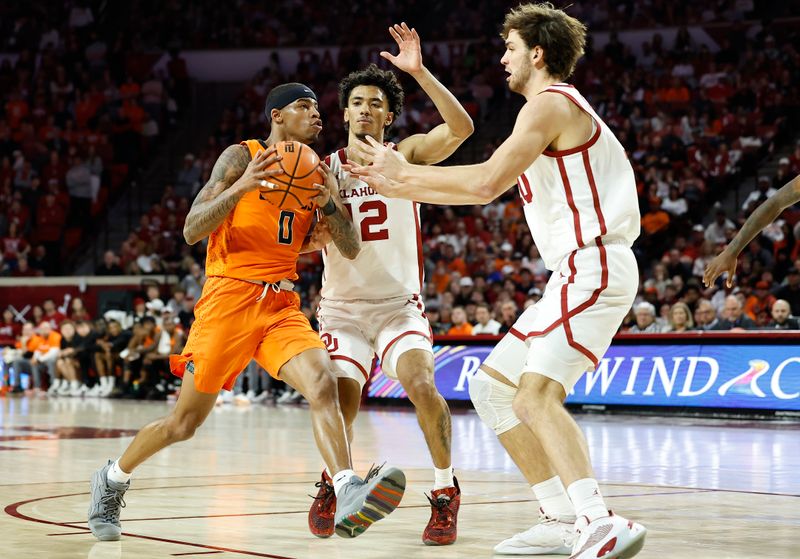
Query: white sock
{"type": "Point", "coordinates": [585, 495]}
{"type": "Point", "coordinates": [340, 479]}
{"type": "Point", "coordinates": [553, 498]}
{"type": "Point", "coordinates": [442, 478]}
{"type": "Point", "coordinates": [117, 474]}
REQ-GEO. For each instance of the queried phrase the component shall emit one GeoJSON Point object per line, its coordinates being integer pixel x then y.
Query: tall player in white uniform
{"type": "Point", "coordinates": [580, 202]}
{"type": "Point", "coordinates": [371, 306]}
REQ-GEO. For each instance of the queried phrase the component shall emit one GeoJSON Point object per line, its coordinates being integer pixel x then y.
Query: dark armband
{"type": "Point", "coordinates": [329, 208]}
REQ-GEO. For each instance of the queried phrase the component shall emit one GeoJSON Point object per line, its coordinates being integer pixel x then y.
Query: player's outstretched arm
{"type": "Point", "coordinates": [539, 122]}
{"type": "Point", "coordinates": [442, 141]}
{"type": "Point", "coordinates": [765, 214]}
{"type": "Point", "coordinates": [234, 174]}
{"type": "Point", "coordinates": [335, 217]}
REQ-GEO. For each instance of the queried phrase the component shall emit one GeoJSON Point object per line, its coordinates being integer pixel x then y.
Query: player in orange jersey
{"type": "Point", "coordinates": [248, 310]}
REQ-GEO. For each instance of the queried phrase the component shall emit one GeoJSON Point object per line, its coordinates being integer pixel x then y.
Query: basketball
{"type": "Point", "coordinates": [294, 187]}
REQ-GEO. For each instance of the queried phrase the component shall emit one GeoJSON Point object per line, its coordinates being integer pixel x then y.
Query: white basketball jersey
{"type": "Point", "coordinates": [572, 197]}
{"type": "Point", "coordinates": [390, 261]}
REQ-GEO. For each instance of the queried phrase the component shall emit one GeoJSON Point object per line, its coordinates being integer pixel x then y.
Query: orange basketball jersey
{"type": "Point", "coordinates": [258, 241]}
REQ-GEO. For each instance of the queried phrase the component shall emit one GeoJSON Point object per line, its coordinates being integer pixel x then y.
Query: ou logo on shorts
{"type": "Point", "coordinates": [331, 343]}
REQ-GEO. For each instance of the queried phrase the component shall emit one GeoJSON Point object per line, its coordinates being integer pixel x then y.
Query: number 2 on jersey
{"type": "Point", "coordinates": [376, 215]}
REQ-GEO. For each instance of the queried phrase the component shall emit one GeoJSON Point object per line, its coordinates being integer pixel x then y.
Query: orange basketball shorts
{"type": "Point", "coordinates": [231, 327]}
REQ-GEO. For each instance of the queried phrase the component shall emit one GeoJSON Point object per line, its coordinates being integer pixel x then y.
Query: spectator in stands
{"type": "Point", "coordinates": [675, 205]}
{"type": "Point", "coordinates": [9, 329]}
{"type": "Point", "coordinates": [718, 231]}
{"type": "Point", "coordinates": [66, 381]}
{"type": "Point", "coordinates": [188, 181]}
{"type": "Point", "coordinates": [46, 353]}
{"type": "Point", "coordinates": [51, 218]}
{"type": "Point", "coordinates": [791, 291]}
{"type": "Point", "coordinates": [78, 311]}
{"type": "Point", "coordinates": [733, 317]}
{"type": "Point", "coordinates": [757, 306]}
{"type": "Point", "coordinates": [763, 191]}
{"type": "Point", "coordinates": [781, 317]}
{"type": "Point", "coordinates": [508, 315]}
{"type": "Point", "coordinates": [110, 265]}
{"type": "Point", "coordinates": [680, 318]}
{"type": "Point", "coordinates": [27, 343]}
{"type": "Point", "coordinates": [485, 323]}
{"type": "Point", "coordinates": [460, 325]}
{"type": "Point", "coordinates": [79, 185]}
{"type": "Point", "coordinates": [156, 363]}
{"type": "Point", "coordinates": [52, 314]}
{"type": "Point", "coordinates": [193, 282]}
{"type": "Point", "coordinates": [645, 314]}
{"type": "Point", "coordinates": [23, 269]}
{"type": "Point", "coordinates": [107, 357]}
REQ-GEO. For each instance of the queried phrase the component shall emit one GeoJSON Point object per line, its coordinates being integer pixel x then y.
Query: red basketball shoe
{"type": "Point", "coordinates": [320, 517]}
{"type": "Point", "coordinates": [441, 528]}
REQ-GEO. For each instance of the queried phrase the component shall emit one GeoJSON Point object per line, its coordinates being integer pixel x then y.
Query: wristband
{"type": "Point", "coordinates": [329, 208]}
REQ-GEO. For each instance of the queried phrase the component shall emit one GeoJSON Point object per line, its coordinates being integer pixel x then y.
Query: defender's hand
{"type": "Point", "coordinates": [409, 59]}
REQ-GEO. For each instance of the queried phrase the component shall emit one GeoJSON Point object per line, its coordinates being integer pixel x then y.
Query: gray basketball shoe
{"type": "Point", "coordinates": [105, 505]}
{"type": "Point", "coordinates": [363, 502]}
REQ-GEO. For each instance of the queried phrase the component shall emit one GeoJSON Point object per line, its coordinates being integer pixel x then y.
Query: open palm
{"type": "Point", "coordinates": [409, 59]}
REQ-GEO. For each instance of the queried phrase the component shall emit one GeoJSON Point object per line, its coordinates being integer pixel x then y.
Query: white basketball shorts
{"type": "Point", "coordinates": [570, 328]}
{"type": "Point", "coordinates": [358, 332]}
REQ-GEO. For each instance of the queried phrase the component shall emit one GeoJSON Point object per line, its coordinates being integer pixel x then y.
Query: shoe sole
{"type": "Point", "coordinates": [535, 551]}
{"type": "Point", "coordinates": [380, 502]}
{"type": "Point", "coordinates": [633, 548]}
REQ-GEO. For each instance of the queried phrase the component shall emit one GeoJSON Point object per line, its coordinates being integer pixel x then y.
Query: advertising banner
{"type": "Point", "coordinates": [681, 375]}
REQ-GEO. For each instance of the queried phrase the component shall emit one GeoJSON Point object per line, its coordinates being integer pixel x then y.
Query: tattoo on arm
{"type": "Point", "coordinates": [343, 232]}
{"type": "Point", "coordinates": [763, 215]}
{"type": "Point", "coordinates": [214, 201]}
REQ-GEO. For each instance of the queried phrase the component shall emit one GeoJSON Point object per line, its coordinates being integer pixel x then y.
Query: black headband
{"type": "Point", "coordinates": [286, 93]}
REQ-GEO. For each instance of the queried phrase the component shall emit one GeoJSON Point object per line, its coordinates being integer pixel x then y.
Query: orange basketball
{"type": "Point", "coordinates": [294, 187]}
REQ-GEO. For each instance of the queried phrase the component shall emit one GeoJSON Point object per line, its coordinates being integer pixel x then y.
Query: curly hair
{"type": "Point", "coordinates": [385, 80]}
{"type": "Point", "coordinates": [561, 36]}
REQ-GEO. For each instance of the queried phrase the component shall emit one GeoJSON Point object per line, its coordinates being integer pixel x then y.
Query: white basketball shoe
{"type": "Point", "coordinates": [608, 537]}
{"type": "Point", "coordinates": [551, 536]}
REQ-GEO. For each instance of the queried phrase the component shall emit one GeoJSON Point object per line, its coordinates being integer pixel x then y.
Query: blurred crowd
{"type": "Point", "coordinates": [79, 110]}
{"type": "Point", "coordinates": [696, 124]}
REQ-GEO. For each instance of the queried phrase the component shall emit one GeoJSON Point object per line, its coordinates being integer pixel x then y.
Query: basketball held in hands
{"type": "Point", "coordinates": [294, 187]}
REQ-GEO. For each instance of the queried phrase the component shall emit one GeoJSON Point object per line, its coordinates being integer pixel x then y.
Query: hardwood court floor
{"type": "Point", "coordinates": [705, 489]}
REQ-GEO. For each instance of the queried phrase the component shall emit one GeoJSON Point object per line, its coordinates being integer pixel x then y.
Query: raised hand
{"type": "Point", "coordinates": [724, 262]}
{"type": "Point", "coordinates": [409, 59]}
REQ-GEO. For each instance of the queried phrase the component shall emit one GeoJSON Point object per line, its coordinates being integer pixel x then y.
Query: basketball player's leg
{"type": "Point", "coordinates": [312, 374]}
{"type": "Point", "coordinates": [415, 373]}
{"type": "Point", "coordinates": [190, 411]}
{"type": "Point", "coordinates": [349, 401]}
{"type": "Point", "coordinates": [492, 391]}
{"type": "Point", "coordinates": [522, 445]}
{"type": "Point", "coordinates": [359, 502]}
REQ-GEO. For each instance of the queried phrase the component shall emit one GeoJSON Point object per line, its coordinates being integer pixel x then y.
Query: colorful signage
{"type": "Point", "coordinates": [681, 375]}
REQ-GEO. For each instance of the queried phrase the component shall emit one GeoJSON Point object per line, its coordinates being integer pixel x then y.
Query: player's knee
{"type": "Point", "coordinates": [181, 428]}
{"type": "Point", "coordinates": [493, 400]}
{"type": "Point", "coordinates": [322, 387]}
{"type": "Point", "coordinates": [420, 389]}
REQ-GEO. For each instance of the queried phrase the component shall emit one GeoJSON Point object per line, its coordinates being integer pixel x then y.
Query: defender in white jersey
{"type": "Point", "coordinates": [371, 306]}
{"type": "Point", "coordinates": [580, 201]}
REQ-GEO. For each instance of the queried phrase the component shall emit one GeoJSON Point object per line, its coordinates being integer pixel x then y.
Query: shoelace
{"type": "Point", "coordinates": [113, 502]}
{"type": "Point", "coordinates": [443, 513]}
{"type": "Point", "coordinates": [326, 497]}
{"type": "Point", "coordinates": [373, 471]}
